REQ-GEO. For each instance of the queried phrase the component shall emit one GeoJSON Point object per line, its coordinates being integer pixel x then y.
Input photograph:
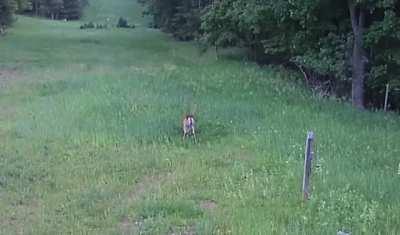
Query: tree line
{"type": "Point", "coordinates": [6, 11]}
{"type": "Point", "coordinates": [53, 9]}
{"type": "Point", "coordinates": [349, 48]}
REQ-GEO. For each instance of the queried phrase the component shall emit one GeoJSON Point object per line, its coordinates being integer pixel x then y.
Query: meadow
{"type": "Point", "coordinates": [90, 139]}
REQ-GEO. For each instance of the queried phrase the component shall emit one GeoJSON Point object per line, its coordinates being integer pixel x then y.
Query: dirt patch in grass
{"type": "Point", "coordinates": [128, 226]}
{"type": "Point", "coordinates": [208, 205]}
{"type": "Point", "coordinates": [148, 184]}
{"type": "Point", "coordinates": [90, 41]}
{"type": "Point", "coordinates": [24, 214]}
{"type": "Point", "coordinates": [8, 75]}
{"type": "Point", "coordinates": [7, 111]}
{"type": "Point", "coordinates": [144, 186]}
{"type": "Point", "coordinates": [190, 230]}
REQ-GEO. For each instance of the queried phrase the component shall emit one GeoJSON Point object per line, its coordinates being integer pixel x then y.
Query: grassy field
{"type": "Point", "coordinates": [90, 140]}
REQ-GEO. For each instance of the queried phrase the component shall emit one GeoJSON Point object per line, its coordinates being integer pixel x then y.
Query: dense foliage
{"type": "Point", "coordinates": [6, 9]}
{"type": "Point", "coordinates": [53, 9]}
{"type": "Point", "coordinates": [179, 17]}
{"type": "Point", "coordinates": [336, 44]}
{"type": "Point", "coordinates": [123, 23]}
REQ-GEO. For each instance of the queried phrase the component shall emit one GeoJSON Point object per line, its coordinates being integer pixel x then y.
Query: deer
{"type": "Point", "coordinates": [189, 127]}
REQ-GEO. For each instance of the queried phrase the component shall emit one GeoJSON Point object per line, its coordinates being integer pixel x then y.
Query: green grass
{"type": "Point", "coordinates": [91, 144]}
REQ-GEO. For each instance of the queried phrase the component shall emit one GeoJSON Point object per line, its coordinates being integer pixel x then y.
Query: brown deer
{"type": "Point", "coordinates": [189, 127]}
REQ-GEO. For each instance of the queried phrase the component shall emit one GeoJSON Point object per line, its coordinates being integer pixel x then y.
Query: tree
{"type": "Point", "coordinates": [182, 18]}
{"type": "Point", "coordinates": [336, 44]}
{"type": "Point", "coordinates": [54, 8]}
{"type": "Point", "coordinates": [22, 5]}
{"type": "Point", "coordinates": [6, 11]}
{"type": "Point", "coordinates": [357, 17]}
{"type": "Point", "coordinates": [73, 9]}
{"type": "Point", "coordinates": [36, 6]}
{"type": "Point", "coordinates": [316, 36]}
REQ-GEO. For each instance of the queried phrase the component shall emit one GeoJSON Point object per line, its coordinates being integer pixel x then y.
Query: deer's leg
{"type": "Point", "coordinates": [194, 136]}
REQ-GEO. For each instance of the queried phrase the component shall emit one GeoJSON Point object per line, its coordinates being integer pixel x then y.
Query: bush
{"type": "Point", "coordinates": [6, 13]}
{"type": "Point", "coordinates": [123, 23]}
{"type": "Point", "coordinates": [101, 26]}
{"type": "Point", "coordinates": [89, 25]}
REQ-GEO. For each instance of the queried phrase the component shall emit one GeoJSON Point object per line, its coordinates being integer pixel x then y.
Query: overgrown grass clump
{"type": "Point", "coordinates": [91, 143]}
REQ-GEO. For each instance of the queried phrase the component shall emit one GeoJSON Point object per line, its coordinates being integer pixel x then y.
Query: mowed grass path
{"type": "Point", "coordinates": [90, 140]}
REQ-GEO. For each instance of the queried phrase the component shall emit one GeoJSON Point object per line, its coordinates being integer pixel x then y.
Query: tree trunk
{"type": "Point", "coordinates": [36, 6]}
{"type": "Point", "coordinates": [357, 15]}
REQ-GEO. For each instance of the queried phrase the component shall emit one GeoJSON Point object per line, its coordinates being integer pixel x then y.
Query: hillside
{"type": "Point", "coordinates": [90, 139]}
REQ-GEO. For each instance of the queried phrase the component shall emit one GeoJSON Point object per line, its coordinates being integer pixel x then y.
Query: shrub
{"type": "Point", "coordinates": [101, 26]}
{"type": "Point", "coordinates": [123, 23]}
{"type": "Point", "coordinates": [89, 25]}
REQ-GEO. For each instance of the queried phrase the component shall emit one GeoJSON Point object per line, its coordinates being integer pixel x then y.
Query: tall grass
{"type": "Point", "coordinates": [91, 144]}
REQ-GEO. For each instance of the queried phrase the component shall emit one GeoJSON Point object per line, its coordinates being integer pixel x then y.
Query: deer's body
{"type": "Point", "coordinates": [189, 126]}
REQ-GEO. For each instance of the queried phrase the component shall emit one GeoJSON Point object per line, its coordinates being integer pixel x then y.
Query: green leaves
{"type": "Point", "coordinates": [180, 17]}
{"type": "Point", "coordinates": [6, 11]}
{"type": "Point", "coordinates": [315, 34]}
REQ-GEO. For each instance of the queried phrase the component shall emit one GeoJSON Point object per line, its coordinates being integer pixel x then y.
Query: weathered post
{"type": "Point", "coordinates": [307, 164]}
{"type": "Point", "coordinates": [398, 171]}
{"type": "Point", "coordinates": [386, 97]}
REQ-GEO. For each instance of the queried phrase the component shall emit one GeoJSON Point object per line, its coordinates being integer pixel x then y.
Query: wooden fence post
{"type": "Point", "coordinates": [386, 97]}
{"type": "Point", "coordinates": [307, 164]}
{"type": "Point", "coordinates": [398, 171]}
